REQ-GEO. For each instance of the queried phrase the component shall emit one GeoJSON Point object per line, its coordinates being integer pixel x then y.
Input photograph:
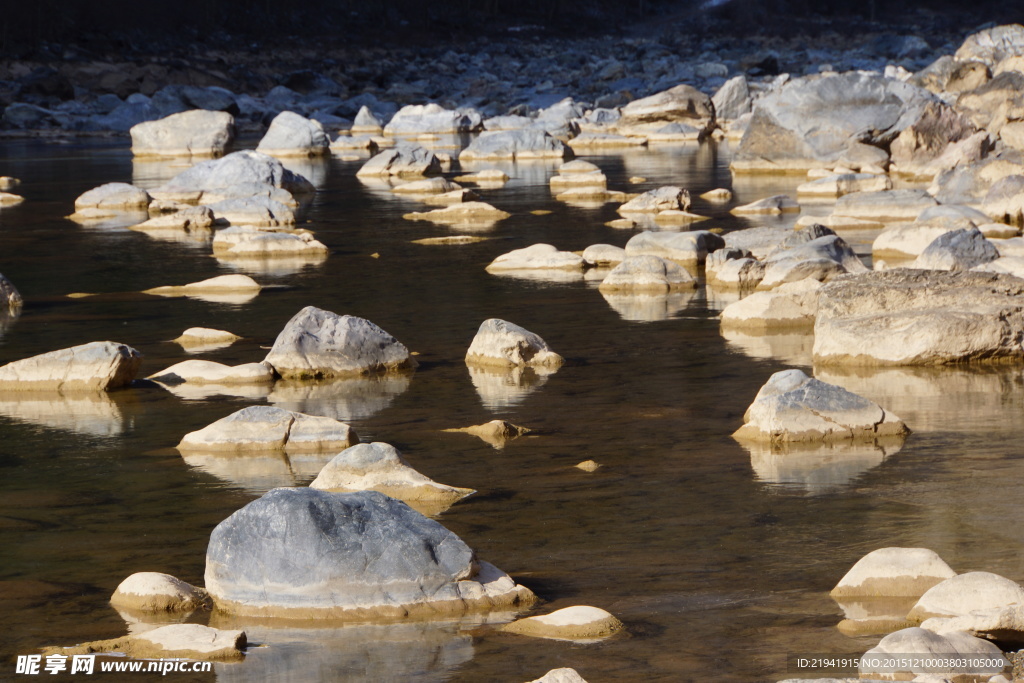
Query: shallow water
{"type": "Point", "coordinates": [718, 559]}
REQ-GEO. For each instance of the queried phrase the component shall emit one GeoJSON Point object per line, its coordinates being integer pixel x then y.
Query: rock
{"type": "Point", "coordinates": [957, 250]}
{"type": "Point", "coordinates": [821, 259]}
{"type": "Point", "coordinates": [197, 220]}
{"type": "Point", "coordinates": [905, 240]}
{"type": "Point", "coordinates": [463, 212]}
{"type": "Point", "coordinates": [585, 141]}
{"type": "Point", "coordinates": [10, 298]}
{"type": "Point", "coordinates": [588, 466]}
{"type": "Point", "coordinates": [928, 647]}
{"type": "Point", "coordinates": [209, 372]}
{"type": "Point", "coordinates": [794, 407]}
{"type": "Point", "coordinates": [1004, 201]}
{"type": "Point", "coordinates": [380, 467]}
{"type": "Point", "coordinates": [265, 428]}
{"type": "Point", "coordinates": [604, 255]}
{"type": "Point", "coordinates": [777, 204]}
{"type": "Point", "coordinates": [965, 593]}
{"type": "Point", "coordinates": [570, 179]}
{"type": "Point", "coordinates": [845, 183]}
{"type": "Point", "coordinates": [195, 338]}
{"type": "Point", "coordinates": [367, 122]}
{"type": "Point", "coordinates": [305, 553]}
{"type": "Point", "coordinates": [486, 177]}
{"type": "Point", "coordinates": [1011, 265]}
{"type": "Point", "coordinates": [887, 205]}
{"type": "Point", "coordinates": [992, 45]}
{"type": "Point", "coordinates": [97, 366]}
{"type": "Point", "coordinates": [928, 138]}
{"type": "Point", "coordinates": [810, 122]}
{"type": "Point", "coordinates": [427, 186]}
{"type": "Point", "coordinates": [156, 592]}
{"type": "Point", "coordinates": [425, 119]}
{"type": "Point", "coordinates": [564, 675]}
{"type": "Point", "coordinates": [790, 305]}
{"type": "Point", "coordinates": [889, 572]}
{"type": "Point", "coordinates": [570, 623]}
{"type": "Point", "coordinates": [403, 160]}
{"type": "Point", "coordinates": [174, 641]}
{"type": "Point", "coordinates": [732, 268]}
{"type": "Point", "coordinates": [252, 211]}
{"type": "Point", "coordinates": [643, 274]}
{"type": "Point", "coordinates": [239, 174]}
{"type": "Point", "coordinates": [460, 196]}
{"type": "Point", "coordinates": [496, 432]}
{"type": "Point", "coordinates": [718, 195]}
{"type": "Point", "coordinates": [515, 144]}
{"type": "Point", "coordinates": [683, 104]}
{"type": "Point", "coordinates": [196, 133]}
{"type": "Point", "coordinates": [758, 242]}
{"type": "Point", "coordinates": [662, 199]}
{"type": "Point", "coordinates": [221, 283]}
{"type": "Point", "coordinates": [690, 247]}
{"type": "Point", "coordinates": [318, 344]}
{"type": "Point", "coordinates": [111, 199]}
{"type": "Point", "coordinates": [293, 135]}
{"type": "Point", "coordinates": [252, 242]}
{"type": "Point", "coordinates": [537, 257]}
{"type": "Point", "coordinates": [912, 317]}
{"type": "Point", "coordinates": [504, 344]}
{"type": "Point", "coordinates": [1001, 624]}
{"type": "Point", "coordinates": [733, 99]}
{"type": "Point", "coordinates": [8, 199]}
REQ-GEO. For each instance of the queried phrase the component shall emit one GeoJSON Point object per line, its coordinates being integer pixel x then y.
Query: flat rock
{"type": "Point", "coordinates": [252, 211]}
{"type": "Point", "coordinates": [537, 257]}
{"type": "Point", "coordinates": [647, 274]}
{"type": "Point", "coordinates": [886, 205]}
{"type": "Point", "coordinates": [889, 572]}
{"type": "Point", "coordinates": [585, 141]}
{"type": "Point", "coordinates": [156, 592]}
{"type": "Point", "coordinates": [791, 305]}
{"type": "Point", "coordinates": [380, 467]}
{"type": "Point", "coordinates": [563, 675]}
{"type": "Point", "coordinates": [270, 429]}
{"type": "Point", "coordinates": [174, 641]}
{"type": "Point", "coordinates": [305, 553]}
{"type": "Point", "coordinates": [210, 372]}
{"type": "Point", "coordinates": [112, 198]}
{"type": "Point", "coordinates": [913, 317]}
{"type": "Point", "coordinates": [845, 183]}
{"type": "Point", "coordinates": [206, 337]}
{"type": "Point", "coordinates": [460, 213]}
{"type": "Point", "coordinates": [195, 133]}
{"type": "Point", "coordinates": [570, 623]}
{"type": "Point", "coordinates": [221, 283]}
{"type": "Point", "coordinates": [794, 407]}
{"type": "Point", "coordinates": [489, 176]}
{"type": "Point", "coordinates": [516, 144]}
{"type": "Point", "coordinates": [503, 344]}
{"type": "Point", "coordinates": [293, 135]}
{"type": "Point", "coordinates": [427, 186]}
{"type": "Point", "coordinates": [691, 247]}
{"type": "Point", "coordinates": [319, 344]}
{"type": "Point", "coordinates": [253, 242]}
{"type": "Point", "coordinates": [97, 366]}
{"type": "Point", "coordinates": [962, 594]}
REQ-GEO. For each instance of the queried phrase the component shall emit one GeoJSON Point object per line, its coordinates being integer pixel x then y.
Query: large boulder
{"type": "Point", "coordinates": [893, 572]}
{"type": "Point", "coordinates": [682, 104]}
{"type": "Point", "coordinates": [305, 553]}
{"type": "Point", "coordinates": [403, 160]}
{"type": "Point", "coordinates": [791, 305]}
{"type": "Point", "coordinates": [957, 250]}
{"type": "Point", "coordinates": [915, 317]}
{"type": "Point", "coordinates": [647, 274]}
{"type": "Point", "coordinates": [810, 122]}
{"type": "Point", "coordinates": [912, 652]}
{"type": "Point", "coordinates": [733, 99]}
{"type": "Point", "coordinates": [794, 407]}
{"type": "Point", "coordinates": [197, 133]}
{"type": "Point", "coordinates": [502, 344]}
{"type": "Point", "coordinates": [962, 594]}
{"type": "Point", "coordinates": [243, 173]}
{"type": "Point", "coordinates": [293, 135]}
{"type": "Point", "coordinates": [265, 428]}
{"type": "Point", "coordinates": [98, 366]}
{"type": "Point", "coordinates": [423, 119]}
{"type": "Point", "coordinates": [380, 467]}
{"type": "Point", "coordinates": [528, 143]}
{"type": "Point", "coordinates": [686, 248]}
{"type": "Point", "coordinates": [319, 344]}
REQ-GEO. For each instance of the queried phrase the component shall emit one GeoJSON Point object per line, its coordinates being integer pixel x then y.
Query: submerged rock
{"type": "Point", "coordinates": [98, 366]}
{"type": "Point", "coordinates": [304, 553]}
{"type": "Point", "coordinates": [156, 592]}
{"type": "Point", "coordinates": [570, 623]}
{"type": "Point", "coordinates": [269, 428]}
{"type": "Point", "coordinates": [175, 641]}
{"type": "Point", "coordinates": [195, 133]}
{"type": "Point", "coordinates": [504, 344]}
{"type": "Point", "coordinates": [496, 432]}
{"type": "Point", "coordinates": [221, 283]}
{"type": "Point", "coordinates": [319, 344]}
{"type": "Point", "coordinates": [794, 407]}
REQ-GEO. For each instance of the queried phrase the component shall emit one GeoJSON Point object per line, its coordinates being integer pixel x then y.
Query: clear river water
{"type": "Point", "coordinates": [718, 558]}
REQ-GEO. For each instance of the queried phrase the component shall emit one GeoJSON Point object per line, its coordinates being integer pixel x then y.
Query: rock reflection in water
{"type": "Point", "coordinates": [91, 414]}
{"type": "Point", "coordinates": [278, 266]}
{"type": "Point", "coordinates": [817, 468]}
{"type": "Point", "coordinates": [7, 321]}
{"type": "Point", "coordinates": [874, 616]}
{"type": "Point", "coordinates": [967, 399]}
{"type": "Point", "coordinates": [499, 390]}
{"type": "Point", "coordinates": [139, 622]}
{"type": "Point", "coordinates": [258, 472]}
{"type": "Point", "coordinates": [556, 276]}
{"type": "Point", "coordinates": [520, 172]}
{"type": "Point", "coordinates": [119, 221]}
{"type": "Point", "coordinates": [313, 169]}
{"type": "Point", "coordinates": [648, 307]}
{"type": "Point", "coordinates": [343, 399]}
{"type": "Point", "coordinates": [792, 348]}
{"type": "Point", "coordinates": [191, 391]}
{"type": "Point", "coordinates": [355, 652]}
{"type": "Point", "coordinates": [152, 172]}
{"type": "Point", "coordinates": [718, 298]}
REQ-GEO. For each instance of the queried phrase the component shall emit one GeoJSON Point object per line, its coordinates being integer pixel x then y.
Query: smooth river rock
{"type": "Point", "coordinates": [962, 594]}
{"type": "Point", "coordinates": [319, 344]}
{"type": "Point", "coordinates": [195, 133]}
{"type": "Point", "coordinates": [210, 372]}
{"type": "Point", "coordinates": [501, 344]}
{"type": "Point", "coordinates": [570, 623]}
{"type": "Point", "coordinates": [157, 592]}
{"type": "Point", "coordinates": [647, 274]}
{"type": "Point", "coordinates": [267, 428]}
{"type": "Point", "coordinates": [304, 553]}
{"type": "Point", "coordinates": [890, 572]}
{"type": "Point", "coordinates": [97, 366]}
{"type": "Point", "coordinates": [686, 248]}
{"type": "Point", "coordinates": [293, 135]}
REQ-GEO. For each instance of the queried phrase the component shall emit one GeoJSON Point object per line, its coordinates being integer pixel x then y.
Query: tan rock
{"type": "Point", "coordinates": [571, 623]}
{"type": "Point", "coordinates": [156, 592]}
{"type": "Point", "coordinates": [496, 432]}
{"type": "Point", "coordinates": [888, 572]}
{"type": "Point", "coordinates": [179, 641]}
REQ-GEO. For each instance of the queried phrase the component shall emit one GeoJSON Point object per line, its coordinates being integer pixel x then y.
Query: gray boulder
{"type": "Point", "coordinates": [820, 259]}
{"type": "Point", "coordinates": [918, 317]}
{"type": "Point", "coordinates": [530, 143]}
{"type": "Point", "coordinates": [421, 119]}
{"type": "Point", "coordinates": [246, 168]}
{"type": "Point", "coordinates": [305, 553]}
{"type": "Point", "coordinates": [98, 366]}
{"type": "Point", "coordinates": [318, 344]}
{"type": "Point", "coordinates": [189, 133]}
{"type": "Point", "coordinates": [957, 250]}
{"type": "Point", "coordinates": [293, 135]}
{"type": "Point", "coordinates": [810, 122]}
{"type": "Point", "coordinates": [733, 99]}
{"type": "Point", "coordinates": [366, 122]}
{"type": "Point", "coordinates": [403, 159]}
{"type": "Point", "coordinates": [682, 104]}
